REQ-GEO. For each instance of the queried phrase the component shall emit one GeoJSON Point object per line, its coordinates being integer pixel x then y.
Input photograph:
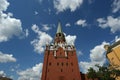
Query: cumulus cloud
{"type": "Point", "coordinates": [116, 6]}
{"type": "Point", "coordinates": [2, 73]}
{"type": "Point", "coordinates": [62, 5]}
{"type": "Point", "coordinates": [6, 58]}
{"type": "Point", "coordinates": [67, 25]}
{"type": "Point", "coordinates": [3, 5]}
{"type": "Point", "coordinates": [33, 73]}
{"type": "Point", "coordinates": [45, 27]}
{"type": "Point", "coordinates": [86, 65]}
{"type": "Point", "coordinates": [41, 40]}
{"type": "Point", "coordinates": [97, 56]}
{"type": "Point", "coordinates": [70, 39]}
{"type": "Point", "coordinates": [9, 26]}
{"type": "Point", "coordinates": [110, 22]}
{"type": "Point", "coordinates": [81, 23]}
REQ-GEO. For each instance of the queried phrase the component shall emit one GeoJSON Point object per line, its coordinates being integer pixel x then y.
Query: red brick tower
{"type": "Point", "coordinates": [60, 60]}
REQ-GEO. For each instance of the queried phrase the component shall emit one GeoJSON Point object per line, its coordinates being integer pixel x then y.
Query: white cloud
{"type": "Point", "coordinates": [45, 27]}
{"type": "Point", "coordinates": [33, 73]}
{"type": "Point", "coordinates": [116, 6]}
{"type": "Point", "coordinates": [26, 32]}
{"type": "Point", "coordinates": [117, 38]}
{"type": "Point", "coordinates": [94, 56]}
{"type": "Point", "coordinates": [110, 22]}
{"type": "Point", "coordinates": [9, 26]}
{"type": "Point", "coordinates": [62, 5]}
{"type": "Point", "coordinates": [81, 23]}
{"type": "Point", "coordinates": [42, 39]}
{"type": "Point", "coordinates": [36, 13]}
{"type": "Point", "coordinates": [6, 58]}
{"type": "Point", "coordinates": [86, 65]}
{"type": "Point", "coordinates": [3, 5]}
{"type": "Point", "coordinates": [97, 56]}
{"type": "Point", "coordinates": [2, 73]}
{"type": "Point", "coordinates": [67, 25]}
{"type": "Point", "coordinates": [79, 53]}
{"type": "Point", "coordinates": [70, 39]}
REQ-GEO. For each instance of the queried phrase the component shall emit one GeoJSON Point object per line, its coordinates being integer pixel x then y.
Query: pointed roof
{"type": "Point", "coordinates": [59, 29]}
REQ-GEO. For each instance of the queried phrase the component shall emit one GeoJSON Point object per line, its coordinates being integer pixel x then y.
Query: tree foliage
{"type": "Point", "coordinates": [103, 73]}
{"type": "Point", "coordinates": [92, 73]}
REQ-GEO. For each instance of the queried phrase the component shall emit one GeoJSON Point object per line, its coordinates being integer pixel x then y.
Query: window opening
{"type": "Point", "coordinates": [62, 64]}
{"type": "Point", "coordinates": [66, 64]}
{"type": "Point", "coordinates": [57, 64]}
{"type": "Point", "coordinates": [50, 64]}
{"type": "Point", "coordinates": [71, 64]}
{"type": "Point", "coordinates": [61, 70]}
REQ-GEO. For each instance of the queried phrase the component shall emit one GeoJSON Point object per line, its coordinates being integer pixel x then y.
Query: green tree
{"type": "Point", "coordinates": [103, 73]}
{"type": "Point", "coordinates": [91, 74]}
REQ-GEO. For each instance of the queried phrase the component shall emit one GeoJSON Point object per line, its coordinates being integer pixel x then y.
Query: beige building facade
{"type": "Point", "coordinates": [113, 55]}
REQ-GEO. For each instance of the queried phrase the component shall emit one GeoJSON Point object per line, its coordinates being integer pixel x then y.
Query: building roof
{"type": "Point", "coordinates": [112, 46]}
{"type": "Point", "coordinates": [59, 29]}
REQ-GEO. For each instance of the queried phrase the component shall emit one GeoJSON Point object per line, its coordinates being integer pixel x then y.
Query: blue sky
{"type": "Point", "coordinates": [26, 26]}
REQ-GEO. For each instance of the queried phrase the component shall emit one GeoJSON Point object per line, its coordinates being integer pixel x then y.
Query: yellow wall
{"type": "Point", "coordinates": [114, 58]}
{"type": "Point", "coordinates": [118, 78]}
{"type": "Point", "coordinates": [117, 51]}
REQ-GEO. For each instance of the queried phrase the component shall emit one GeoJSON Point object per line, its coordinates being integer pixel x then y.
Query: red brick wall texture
{"type": "Point", "coordinates": [60, 67]}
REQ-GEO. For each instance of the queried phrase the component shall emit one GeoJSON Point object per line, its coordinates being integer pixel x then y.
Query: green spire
{"type": "Point", "coordinates": [59, 30]}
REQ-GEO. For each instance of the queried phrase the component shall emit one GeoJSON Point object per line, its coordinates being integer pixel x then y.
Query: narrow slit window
{"type": "Point", "coordinates": [62, 64]}
{"type": "Point", "coordinates": [61, 70]}
{"type": "Point", "coordinates": [50, 64]}
{"type": "Point", "coordinates": [57, 64]}
{"type": "Point", "coordinates": [60, 53]}
{"type": "Point", "coordinates": [66, 64]}
{"type": "Point", "coordinates": [71, 64]}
